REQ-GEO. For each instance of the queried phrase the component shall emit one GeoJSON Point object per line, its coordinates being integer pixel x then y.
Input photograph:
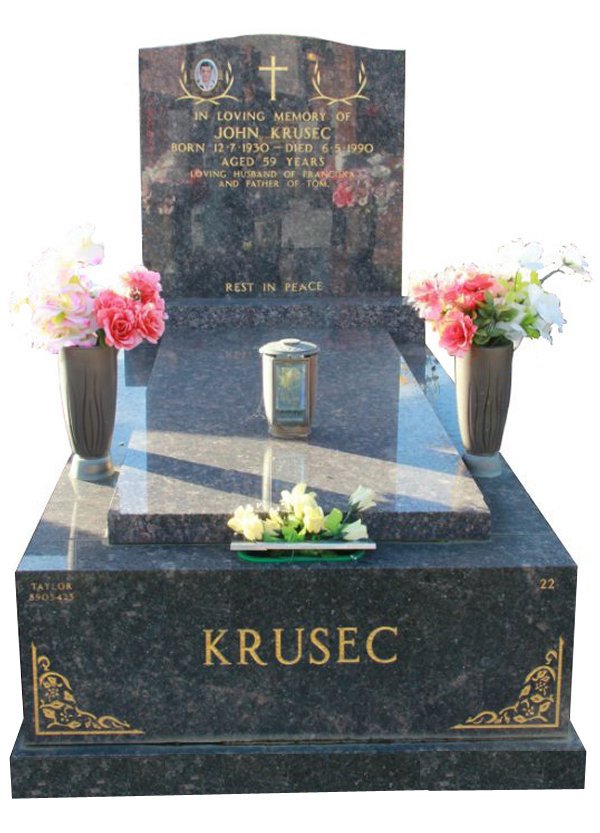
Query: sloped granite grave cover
{"type": "Point", "coordinates": [272, 166]}
{"type": "Point", "coordinates": [206, 448]}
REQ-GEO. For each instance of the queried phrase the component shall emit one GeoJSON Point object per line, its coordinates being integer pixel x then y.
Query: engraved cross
{"type": "Point", "coordinates": [273, 68]}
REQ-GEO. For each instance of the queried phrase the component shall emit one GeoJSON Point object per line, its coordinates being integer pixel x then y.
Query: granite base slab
{"type": "Point", "coordinates": [201, 769]}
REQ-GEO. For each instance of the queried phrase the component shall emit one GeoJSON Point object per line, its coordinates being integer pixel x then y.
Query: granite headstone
{"type": "Point", "coordinates": [272, 166]}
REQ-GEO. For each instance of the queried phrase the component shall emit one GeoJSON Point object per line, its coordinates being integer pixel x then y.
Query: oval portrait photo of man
{"type": "Point", "coordinates": [206, 74]}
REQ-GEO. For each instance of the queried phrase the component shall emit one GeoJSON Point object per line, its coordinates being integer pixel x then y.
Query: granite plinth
{"type": "Point", "coordinates": [205, 448]}
{"type": "Point", "coordinates": [172, 769]}
{"type": "Point", "coordinates": [416, 643]}
{"type": "Point", "coordinates": [391, 312]}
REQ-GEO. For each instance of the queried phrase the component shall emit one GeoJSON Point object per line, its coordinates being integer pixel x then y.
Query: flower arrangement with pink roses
{"type": "Point", "coordinates": [501, 304]}
{"type": "Point", "coordinates": [68, 310]}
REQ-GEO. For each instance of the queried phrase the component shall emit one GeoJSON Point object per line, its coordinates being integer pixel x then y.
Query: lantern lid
{"type": "Point", "coordinates": [289, 347]}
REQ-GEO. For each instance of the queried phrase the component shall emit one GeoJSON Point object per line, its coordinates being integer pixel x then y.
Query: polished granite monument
{"type": "Point", "coordinates": [154, 661]}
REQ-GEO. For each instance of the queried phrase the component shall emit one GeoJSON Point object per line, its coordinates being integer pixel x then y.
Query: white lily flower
{"type": "Point", "coordinates": [298, 500]}
{"type": "Point", "coordinates": [547, 308]}
{"type": "Point", "coordinates": [518, 255]}
{"type": "Point", "coordinates": [274, 522]}
{"type": "Point", "coordinates": [362, 498]}
{"type": "Point", "coordinates": [512, 329]}
{"type": "Point", "coordinates": [80, 248]}
{"type": "Point", "coordinates": [573, 262]}
{"type": "Point", "coordinates": [247, 523]}
{"type": "Point", "coordinates": [314, 519]}
{"type": "Point", "coordinates": [354, 532]}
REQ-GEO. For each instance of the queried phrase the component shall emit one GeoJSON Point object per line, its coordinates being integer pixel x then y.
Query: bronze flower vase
{"type": "Point", "coordinates": [88, 378]}
{"type": "Point", "coordinates": [483, 380]}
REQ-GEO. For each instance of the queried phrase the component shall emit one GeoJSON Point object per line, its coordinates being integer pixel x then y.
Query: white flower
{"type": "Point", "coordinates": [518, 255]}
{"type": "Point", "coordinates": [573, 262]}
{"type": "Point", "coordinates": [298, 500]}
{"type": "Point", "coordinates": [546, 305]}
{"type": "Point", "coordinates": [274, 522]}
{"type": "Point", "coordinates": [512, 329]}
{"type": "Point", "coordinates": [362, 498]}
{"type": "Point", "coordinates": [247, 523]}
{"type": "Point", "coordinates": [80, 248]}
{"type": "Point", "coordinates": [314, 519]}
{"type": "Point", "coordinates": [354, 532]}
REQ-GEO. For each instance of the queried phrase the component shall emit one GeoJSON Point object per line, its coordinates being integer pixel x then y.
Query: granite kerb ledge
{"type": "Point", "coordinates": [392, 312]}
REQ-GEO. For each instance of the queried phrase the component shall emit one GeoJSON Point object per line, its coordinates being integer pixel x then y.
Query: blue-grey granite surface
{"type": "Point", "coordinates": [285, 768]}
{"type": "Point", "coordinates": [205, 447]}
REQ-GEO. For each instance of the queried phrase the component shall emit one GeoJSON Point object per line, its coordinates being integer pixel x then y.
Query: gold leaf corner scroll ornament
{"type": "Point", "coordinates": [56, 711]}
{"type": "Point", "coordinates": [347, 99]}
{"type": "Point", "coordinates": [538, 703]}
{"type": "Point", "coordinates": [200, 99]}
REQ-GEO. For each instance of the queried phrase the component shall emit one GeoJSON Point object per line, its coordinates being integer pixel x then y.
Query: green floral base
{"type": "Point", "coordinates": [275, 557]}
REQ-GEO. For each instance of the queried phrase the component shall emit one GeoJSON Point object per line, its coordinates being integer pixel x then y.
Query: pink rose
{"type": "Point", "coordinates": [456, 333]}
{"type": "Point", "coordinates": [150, 321]}
{"type": "Point", "coordinates": [107, 299]}
{"type": "Point", "coordinates": [142, 284]}
{"type": "Point", "coordinates": [343, 195]}
{"type": "Point", "coordinates": [474, 288]}
{"type": "Point", "coordinates": [117, 317]}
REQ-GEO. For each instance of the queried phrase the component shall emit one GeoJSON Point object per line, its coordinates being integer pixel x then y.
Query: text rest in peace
{"type": "Point", "coordinates": [243, 287]}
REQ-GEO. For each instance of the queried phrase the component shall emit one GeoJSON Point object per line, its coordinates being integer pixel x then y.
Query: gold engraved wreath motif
{"type": "Point", "coordinates": [347, 99]}
{"type": "Point", "coordinates": [200, 99]}
{"type": "Point", "coordinates": [56, 711]}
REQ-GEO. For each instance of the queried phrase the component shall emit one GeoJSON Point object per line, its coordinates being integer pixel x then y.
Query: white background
{"type": "Point", "coordinates": [501, 141]}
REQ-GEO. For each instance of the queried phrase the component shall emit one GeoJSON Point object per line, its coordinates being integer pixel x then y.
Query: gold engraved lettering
{"type": "Point", "coordinates": [210, 647]}
{"type": "Point", "coordinates": [249, 649]}
{"type": "Point", "coordinates": [238, 162]}
{"type": "Point", "coordinates": [240, 286]}
{"type": "Point", "coordinates": [310, 286]}
{"type": "Point", "coordinates": [370, 645]}
{"type": "Point", "coordinates": [187, 147]}
{"type": "Point", "coordinates": [240, 115]}
{"type": "Point", "coordinates": [538, 703]}
{"type": "Point", "coordinates": [55, 707]}
{"type": "Point", "coordinates": [307, 162]}
{"type": "Point", "coordinates": [297, 133]}
{"type": "Point", "coordinates": [51, 591]}
{"type": "Point", "coordinates": [547, 584]}
{"type": "Point", "coordinates": [346, 642]}
{"type": "Point", "coordinates": [237, 133]}
{"type": "Point", "coordinates": [273, 68]}
{"type": "Point", "coordinates": [314, 639]}
{"type": "Point", "coordinates": [277, 632]}
{"type": "Point", "coordinates": [304, 115]}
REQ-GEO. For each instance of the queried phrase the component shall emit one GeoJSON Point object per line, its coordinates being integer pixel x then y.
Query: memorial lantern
{"type": "Point", "coordinates": [289, 374]}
